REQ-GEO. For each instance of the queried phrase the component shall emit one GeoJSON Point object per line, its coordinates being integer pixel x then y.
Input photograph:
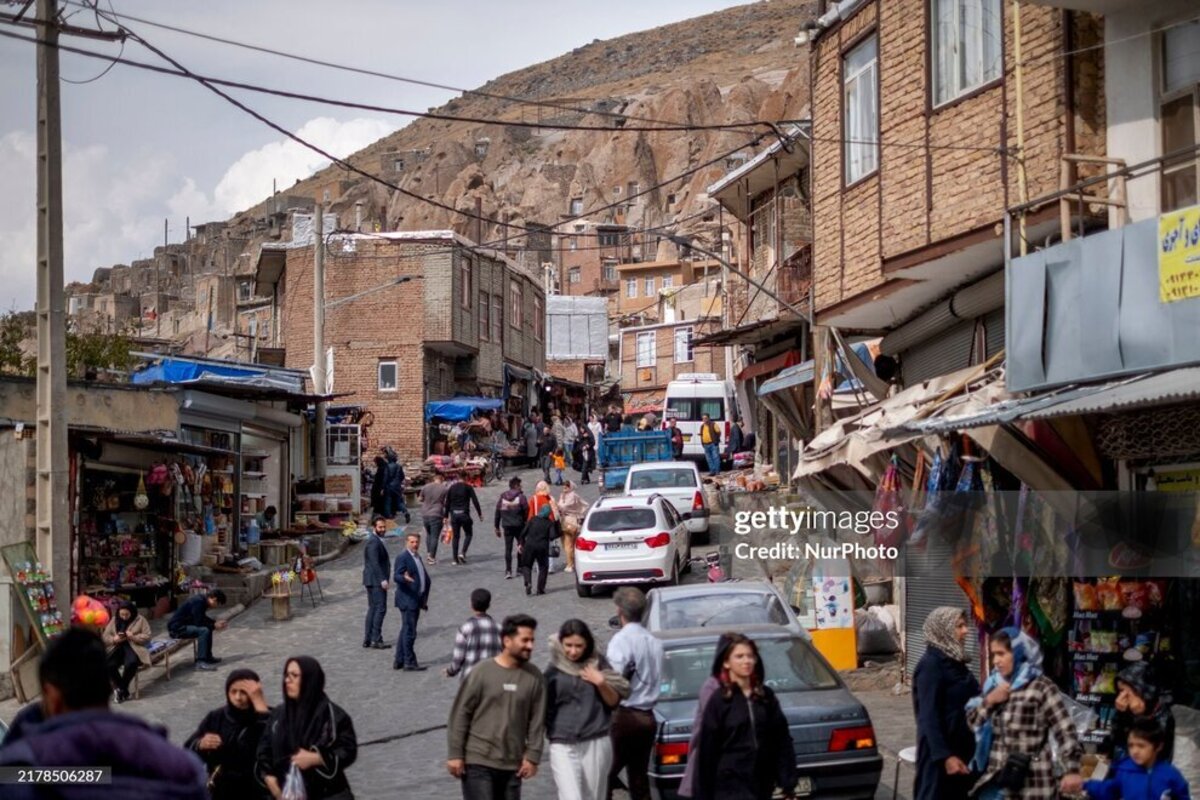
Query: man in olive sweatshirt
{"type": "Point", "coordinates": [497, 722]}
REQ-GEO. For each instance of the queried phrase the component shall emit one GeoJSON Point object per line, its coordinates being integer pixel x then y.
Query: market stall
{"type": "Point", "coordinates": [464, 439]}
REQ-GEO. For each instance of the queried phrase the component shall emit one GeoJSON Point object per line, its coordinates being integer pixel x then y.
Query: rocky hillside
{"type": "Point", "coordinates": [731, 66]}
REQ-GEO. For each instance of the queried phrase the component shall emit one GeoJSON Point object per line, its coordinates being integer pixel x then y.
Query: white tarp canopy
{"type": "Point", "coordinates": [576, 328]}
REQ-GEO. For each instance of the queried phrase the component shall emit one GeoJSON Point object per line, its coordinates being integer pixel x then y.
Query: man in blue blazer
{"type": "Point", "coordinates": [412, 596]}
{"type": "Point", "coordinates": [376, 569]}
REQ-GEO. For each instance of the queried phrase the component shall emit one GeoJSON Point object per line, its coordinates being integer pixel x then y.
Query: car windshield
{"type": "Point", "coordinates": [722, 611]}
{"type": "Point", "coordinates": [791, 665]}
{"type": "Point", "coordinates": [621, 519]}
{"type": "Point", "coordinates": [691, 409]}
{"type": "Point", "coordinates": [662, 479]}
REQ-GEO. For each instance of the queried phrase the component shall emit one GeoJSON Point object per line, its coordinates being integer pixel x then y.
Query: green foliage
{"type": "Point", "coordinates": [84, 351]}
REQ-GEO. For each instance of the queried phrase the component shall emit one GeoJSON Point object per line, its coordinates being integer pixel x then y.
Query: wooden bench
{"type": "Point", "coordinates": [162, 657]}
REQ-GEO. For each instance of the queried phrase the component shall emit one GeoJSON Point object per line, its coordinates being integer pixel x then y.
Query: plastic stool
{"type": "Point", "coordinates": [906, 756]}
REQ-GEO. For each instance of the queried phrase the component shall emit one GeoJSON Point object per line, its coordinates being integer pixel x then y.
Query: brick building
{"type": "Point", "coordinates": [916, 133]}
{"type": "Point", "coordinates": [462, 315]}
{"type": "Point", "coordinates": [588, 254]}
{"type": "Point", "coordinates": [642, 282]}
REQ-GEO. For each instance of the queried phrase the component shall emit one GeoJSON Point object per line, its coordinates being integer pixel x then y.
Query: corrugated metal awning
{"type": "Point", "coordinates": [1127, 394]}
{"type": "Point", "coordinates": [792, 376]}
{"type": "Point", "coordinates": [769, 365]}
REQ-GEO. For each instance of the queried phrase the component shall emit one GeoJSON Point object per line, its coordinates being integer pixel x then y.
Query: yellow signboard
{"type": "Point", "coordinates": [1179, 255]}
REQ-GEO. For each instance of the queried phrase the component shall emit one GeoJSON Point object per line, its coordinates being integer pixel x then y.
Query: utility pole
{"type": "Point", "coordinates": [158, 284]}
{"type": "Point", "coordinates": [319, 333]}
{"type": "Point", "coordinates": [52, 469]}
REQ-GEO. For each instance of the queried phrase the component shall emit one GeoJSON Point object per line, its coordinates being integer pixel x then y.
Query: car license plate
{"type": "Point", "coordinates": [804, 787]}
{"type": "Point", "coordinates": [621, 546]}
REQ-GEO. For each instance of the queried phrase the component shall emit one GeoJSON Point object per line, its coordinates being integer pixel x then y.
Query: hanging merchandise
{"type": "Point", "coordinates": [1048, 599]}
{"type": "Point", "coordinates": [141, 500]}
{"type": "Point", "coordinates": [939, 488]}
{"type": "Point", "coordinates": [889, 502]}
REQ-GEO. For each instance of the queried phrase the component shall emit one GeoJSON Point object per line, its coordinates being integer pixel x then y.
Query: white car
{"type": "Point", "coordinates": [679, 482]}
{"type": "Point", "coordinates": [627, 540]}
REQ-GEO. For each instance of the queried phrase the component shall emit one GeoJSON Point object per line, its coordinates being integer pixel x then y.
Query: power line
{"type": "Point", "coordinates": [376, 74]}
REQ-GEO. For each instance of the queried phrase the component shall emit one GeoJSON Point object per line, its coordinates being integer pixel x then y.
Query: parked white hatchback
{"type": "Point", "coordinates": [627, 540]}
{"type": "Point", "coordinates": [680, 483]}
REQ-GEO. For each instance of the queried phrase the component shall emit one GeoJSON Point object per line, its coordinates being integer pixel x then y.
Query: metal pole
{"type": "Point", "coordinates": [319, 334]}
{"type": "Point", "coordinates": [789, 306]}
{"type": "Point", "coordinates": [53, 537]}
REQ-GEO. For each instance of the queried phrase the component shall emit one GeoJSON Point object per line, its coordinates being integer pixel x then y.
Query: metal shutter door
{"type": "Point", "coordinates": [930, 583]}
{"type": "Point", "coordinates": [948, 351]}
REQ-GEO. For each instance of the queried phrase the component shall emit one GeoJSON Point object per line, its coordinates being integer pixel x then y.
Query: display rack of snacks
{"type": "Point", "coordinates": [36, 593]}
{"type": "Point", "coordinates": [1115, 622]}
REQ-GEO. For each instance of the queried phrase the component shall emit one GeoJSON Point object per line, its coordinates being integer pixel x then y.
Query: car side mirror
{"type": "Point", "coordinates": [614, 622]}
{"type": "Point", "coordinates": [797, 610]}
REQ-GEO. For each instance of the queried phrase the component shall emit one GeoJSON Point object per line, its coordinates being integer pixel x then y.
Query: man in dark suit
{"type": "Point", "coordinates": [412, 596]}
{"type": "Point", "coordinates": [376, 567]}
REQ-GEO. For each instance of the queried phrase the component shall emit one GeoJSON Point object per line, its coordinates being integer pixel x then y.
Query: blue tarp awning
{"type": "Point", "coordinates": [459, 409]}
{"type": "Point", "coordinates": [170, 370]}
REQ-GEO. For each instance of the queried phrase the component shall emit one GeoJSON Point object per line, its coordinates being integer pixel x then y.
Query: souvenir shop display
{"type": "Point", "coordinates": [37, 595]}
{"type": "Point", "coordinates": [126, 530]}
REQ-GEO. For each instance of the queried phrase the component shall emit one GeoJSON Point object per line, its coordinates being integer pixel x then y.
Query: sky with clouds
{"type": "Point", "coordinates": [139, 148]}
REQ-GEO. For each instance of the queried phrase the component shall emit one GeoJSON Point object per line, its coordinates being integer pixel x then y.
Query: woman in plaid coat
{"type": "Point", "coordinates": [1019, 711]}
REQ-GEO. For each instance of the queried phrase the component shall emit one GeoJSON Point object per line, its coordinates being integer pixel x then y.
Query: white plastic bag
{"type": "Point", "coordinates": [293, 786]}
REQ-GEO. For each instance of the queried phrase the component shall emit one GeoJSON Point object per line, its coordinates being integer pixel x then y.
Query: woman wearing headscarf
{"type": "Point", "coordinates": [125, 639]}
{"type": "Point", "coordinates": [942, 686]}
{"type": "Point", "coordinates": [533, 548]}
{"type": "Point", "coordinates": [1018, 712]}
{"type": "Point", "coordinates": [743, 732]}
{"type": "Point", "coordinates": [541, 498]}
{"type": "Point", "coordinates": [307, 729]}
{"type": "Point", "coordinates": [379, 487]}
{"type": "Point", "coordinates": [581, 692]}
{"type": "Point", "coordinates": [1139, 696]}
{"type": "Point", "coordinates": [573, 508]}
{"type": "Point", "coordinates": [707, 690]}
{"type": "Point", "coordinates": [228, 737]}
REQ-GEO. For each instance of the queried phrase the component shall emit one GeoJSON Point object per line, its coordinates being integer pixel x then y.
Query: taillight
{"type": "Point", "coordinates": [657, 540]}
{"type": "Point", "coordinates": [586, 545]}
{"type": "Point", "coordinates": [671, 753]}
{"type": "Point", "coordinates": [698, 502]}
{"type": "Point", "coordinates": [727, 430]}
{"type": "Point", "coordinates": [860, 738]}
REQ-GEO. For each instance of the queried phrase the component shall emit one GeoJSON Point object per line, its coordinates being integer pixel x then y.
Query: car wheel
{"type": "Point", "coordinates": [582, 589]}
{"type": "Point", "coordinates": [674, 581]}
{"type": "Point", "coordinates": [687, 560]}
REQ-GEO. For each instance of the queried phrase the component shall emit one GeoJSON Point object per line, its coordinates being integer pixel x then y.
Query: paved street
{"type": "Point", "coordinates": [400, 717]}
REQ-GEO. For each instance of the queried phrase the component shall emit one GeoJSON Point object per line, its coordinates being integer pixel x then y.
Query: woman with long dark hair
{"type": "Point", "coordinates": [227, 739]}
{"type": "Point", "coordinates": [743, 733]}
{"type": "Point", "coordinates": [942, 685]}
{"type": "Point", "coordinates": [307, 729]}
{"type": "Point", "coordinates": [581, 692]}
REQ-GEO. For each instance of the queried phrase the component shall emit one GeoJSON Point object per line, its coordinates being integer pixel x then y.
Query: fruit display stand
{"type": "Point", "coordinates": [44, 617]}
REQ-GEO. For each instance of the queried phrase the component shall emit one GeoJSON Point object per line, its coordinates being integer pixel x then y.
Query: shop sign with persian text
{"type": "Point", "coordinates": [1179, 255]}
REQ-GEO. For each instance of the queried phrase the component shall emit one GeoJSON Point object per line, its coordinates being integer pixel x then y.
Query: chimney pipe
{"type": "Point", "coordinates": [358, 211]}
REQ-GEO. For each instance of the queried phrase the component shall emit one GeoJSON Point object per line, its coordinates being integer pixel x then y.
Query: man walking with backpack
{"type": "Point", "coordinates": [512, 509]}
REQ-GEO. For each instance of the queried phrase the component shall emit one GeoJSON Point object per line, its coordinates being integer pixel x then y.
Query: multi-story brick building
{"type": "Point", "coordinates": [922, 135]}
{"type": "Point", "coordinates": [411, 317]}
{"type": "Point", "coordinates": [642, 282]}
{"type": "Point", "coordinates": [589, 254]}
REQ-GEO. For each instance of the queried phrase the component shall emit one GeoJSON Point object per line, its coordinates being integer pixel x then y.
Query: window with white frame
{"type": "Point", "coordinates": [573, 243]}
{"type": "Point", "coordinates": [574, 275]}
{"type": "Point", "coordinates": [649, 287]}
{"type": "Point", "coordinates": [387, 376]}
{"type": "Point", "coordinates": [485, 322]}
{"type": "Point", "coordinates": [683, 345]}
{"type": "Point", "coordinates": [631, 287]}
{"type": "Point", "coordinates": [610, 270]}
{"type": "Point", "coordinates": [516, 316]}
{"type": "Point", "coordinates": [464, 274]}
{"type": "Point", "coordinates": [497, 319]}
{"type": "Point", "coordinates": [668, 281]}
{"type": "Point", "coordinates": [1179, 112]}
{"type": "Point", "coordinates": [967, 46]}
{"type": "Point", "coordinates": [576, 206]}
{"type": "Point", "coordinates": [860, 110]}
{"type": "Point", "coordinates": [645, 349]}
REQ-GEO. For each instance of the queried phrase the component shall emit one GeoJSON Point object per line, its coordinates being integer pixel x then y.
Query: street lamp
{"type": "Point", "coordinates": [396, 282]}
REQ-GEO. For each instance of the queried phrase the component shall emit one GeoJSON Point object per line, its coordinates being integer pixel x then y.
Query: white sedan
{"type": "Point", "coordinates": [626, 540]}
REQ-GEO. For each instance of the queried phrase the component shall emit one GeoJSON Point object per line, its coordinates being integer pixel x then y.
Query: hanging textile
{"type": "Point", "coordinates": [889, 500]}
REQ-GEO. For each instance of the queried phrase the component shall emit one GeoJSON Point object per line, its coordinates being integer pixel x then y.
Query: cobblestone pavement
{"type": "Point", "coordinates": [400, 717]}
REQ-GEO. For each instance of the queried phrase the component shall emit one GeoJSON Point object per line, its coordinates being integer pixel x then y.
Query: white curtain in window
{"type": "Point", "coordinates": [862, 111]}
{"type": "Point", "coordinates": [683, 345]}
{"type": "Point", "coordinates": [645, 349]}
{"type": "Point", "coordinates": [1181, 56]}
{"type": "Point", "coordinates": [967, 46]}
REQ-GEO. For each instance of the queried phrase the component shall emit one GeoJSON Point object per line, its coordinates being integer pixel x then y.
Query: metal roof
{"type": "Point", "coordinates": [1141, 391]}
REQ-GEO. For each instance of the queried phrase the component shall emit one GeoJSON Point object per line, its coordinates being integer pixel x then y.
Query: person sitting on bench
{"type": "Point", "coordinates": [191, 621]}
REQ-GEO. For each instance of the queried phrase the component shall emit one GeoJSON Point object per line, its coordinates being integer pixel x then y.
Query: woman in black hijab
{"type": "Point", "coordinates": [227, 739]}
{"type": "Point", "coordinates": [310, 731]}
